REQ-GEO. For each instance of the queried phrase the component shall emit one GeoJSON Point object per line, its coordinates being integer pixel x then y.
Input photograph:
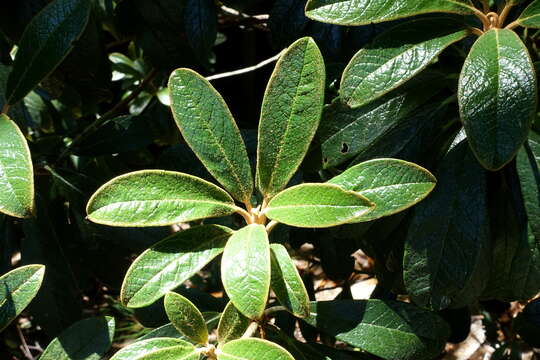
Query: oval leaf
{"type": "Point", "coordinates": [88, 339]}
{"type": "Point", "coordinates": [287, 283]}
{"type": "Point", "coordinates": [186, 317]}
{"type": "Point", "coordinates": [170, 262]}
{"type": "Point", "coordinates": [157, 349]}
{"type": "Point", "coordinates": [363, 12]}
{"type": "Point", "coordinates": [17, 288]}
{"type": "Point", "coordinates": [157, 198]}
{"type": "Point", "coordinates": [530, 17]}
{"type": "Point", "coordinates": [245, 270]}
{"type": "Point", "coordinates": [392, 185]}
{"type": "Point", "coordinates": [209, 129]}
{"type": "Point", "coordinates": [290, 115]}
{"type": "Point", "coordinates": [317, 206]}
{"type": "Point", "coordinates": [16, 172]}
{"type": "Point", "coordinates": [497, 97]}
{"type": "Point", "coordinates": [232, 324]}
{"type": "Point", "coordinates": [252, 349]}
{"type": "Point", "coordinates": [389, 329]}
{"type": "Point", "coordinates": [395, 57]}
{"type": "Point", "coordinates": [46, 41]}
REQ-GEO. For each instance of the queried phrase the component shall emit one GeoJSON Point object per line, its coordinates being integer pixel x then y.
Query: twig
{"type": "Point", "coordinates": [274, 309]}
{"type": "Point", "coordinates": [5, 108]}
{"type": "Point", "coordinates": [235, 12]}
{"type": "Point", "coordinates": [485, 5]}
{"type": "Point", "coordinates": [24, 347]}
{"type": "Point", "coordinates": [476, 31]}
{"type": "Point", "coordinates": [251, 330]}
{"type": "Point", "coordinates": [512, 25]}
{"type": "Point", "coordinates": [245, 70]}
{"type": "Point", "coordinates": [504, 13]}
{"type": "Point", "coordinates": [271, 225]}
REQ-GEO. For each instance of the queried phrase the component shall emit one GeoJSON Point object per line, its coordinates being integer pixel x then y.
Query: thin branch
{"type": "Point", "coordinates": [512, 25]}
{"type": "Point", "coordinates": [251, 330]}
{"type": "Point", "coordinates": [24, 347]}
{"type": "Point", "coordinates": [247, 216]}
{"type": "Point", "coordinates": [483, 18]}
{"type": "Point", "coordinates": [271, 225]}
{"type": "Point", "coordinates": [504, 13]}
{"type": "Point", "coordinates": [245, 70]}
{"type": "Point", "coordinates": [485, 5]}
{"type": "Point", "coordinates": [274, 309]}
{"type": "Point", "coordinates": [235, 12]}
{"type": "Point", "coordinates": [476, 31]}
{"type": "Point", "coordinates": [5, 108]}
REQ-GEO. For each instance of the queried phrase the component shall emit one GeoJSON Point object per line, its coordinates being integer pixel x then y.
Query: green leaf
{"type": "Point", "coordinates": [447, 241]}
{"type": "Point", "coordinates": [363, 12]}
{"type": "Point", "coordinates": [389, 329]}
{"type": "Point", "coordinates": [530, 17]}
{"type": "Point", "coordinates": [395, 57]}
{"type": "Point", "coordinates": [17, 288]}
{"type": "Point", "coordinates": [287, 283]}
{"type": "Point", "coordinates": [245, 270]}
{"type": "Point", "coordinates": [200, 18]}
{"type": "Point", "coordinates": [158, 349]}
{"type": "Point", "coordinates": [317, 206]}
{"type": "Point", "coordinates": [252, 349]}
{"type": "Point", "coordinates": [209, 129]}
{"type": "Point", "coordinates": [290, 115]}
{"type": "Point", "coordinates": [46, 41]}
{"type": "Point", "coordinates": [186, 317]}
{"type": "Point", "coordinates": [497, 97]}
{"type": "Point", "coordinates": [170, 262]}
{"type": "Point", "coordinates": [392, 185]}
{"type": "Point", "coordinates": [16, 171]}
{"type": "Point", "coordinates": [88, 339]}
{"type": "Point", "coordinates": [528, 164]}
{"type": "Point", "coordinates": [157, 198]}
{"type": "Point", "coordinates": [232, 324]}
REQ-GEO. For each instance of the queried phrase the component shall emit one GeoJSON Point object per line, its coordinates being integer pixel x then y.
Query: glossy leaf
{"type": "Point", "coordinates": [317, 206]}
{"type": "Point", "coordinates": [88, 339]}
{"type": "Point", "coordinates": [530, 17]}
{"type": "Point", "coordinates": [209, 129]}
{"type": "Point", "coordinates": [158, 349]}
{"type": "Point", "coordinates": [287, 283]}
{"type": "Point", "coordinates": [363, 12]}
{"type": "Point", "coordinates": [17, 288]}
{"type": "Point", "coordinates": [170, 262]}
{"type": "Point", "coordinates": [16, 171]}
{"type": "Point", "coordinates": [497, 97]}
{"type": "Point", "coordinates": [186, 317]}
{"type": "Point", "coordinates": [245, 269]}
{"type": "Point", "coordinates": [389, 329]}
{"type": "Point", "coordinates": [528, 164]}
{"type": "Point", "coordinates": [446, 247]}
{"type": "Point", "coordinates": [290, 115]}
{"type": "Point", "coordinates": [252, 349]}
{"type": "Point", "coordinates": [46, 41]}
{"type": "Point", "coordinates": [392, 185]}
{"type": "Point", "coordinates": [157, 198]}
{"type": "Point", "coordinates": [232, 324]}
{"type": "Point", "coordinates": [395, 57]}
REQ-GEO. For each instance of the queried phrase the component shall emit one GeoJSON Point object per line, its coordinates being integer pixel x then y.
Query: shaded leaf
{"type": "Point", "coordinates": [530, 17]}
{"type": "Point", "coordinates": [157, 349]}
{"type": "Point", "coordinates": [251, 349]}
{"type": "Point", "coordinates": [527, 323]}
{"type": "Point", "coordinates": [528, 163]}
{"type": "Point", "coordinates": [186, 317]}
{"type": "Point", "coordinates": [200, 18]}
{"type": "Point", "coordinates": [232, 324]}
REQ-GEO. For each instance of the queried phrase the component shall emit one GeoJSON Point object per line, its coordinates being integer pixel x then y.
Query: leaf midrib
{"type": "Point", "coordinates": [19, 288]}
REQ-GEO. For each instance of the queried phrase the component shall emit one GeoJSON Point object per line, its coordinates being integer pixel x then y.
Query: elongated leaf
{"type": "Point", "coordinates": [287, 283]}
{"type": "Point", "coordinates": [245, 270]}
{"type": "Point", "coordinates": [16, 172]}
{"type": "Point", "coordinates": [232, 324]}
{"type": "Point", "coordinates": [497, 97]}
{"type": "Point", "coordinates": [362, 12]}
{"type": "Point", "coordinates": [317, 206]}
{"type": "Point", "coordinates": [186, 317]}
{"type": "Point", "coordinates": [395, 57]}
{"type": "Point", "coordinates": [157, 198]}
{"type": "Point", "coordinates": [157, 349]}
{"type": "Point", "coordinates": [447, 241]}
{"type": "Point", "coordinates": [170, 262]}
{"type": "Point", "coordinates": [88, 339]}
{"type": "Point", "coordinates": [389, 329]}
{"type": "Point", "coordinates": [209, 129]}
{"type": "Point", "coordinates": [45, 43]}
{"type": "Point", "coordinates": [528, 163]}
{"type": "Point", "coordinates": [251, 349]}
{"type": "Point", "coordinates": [392, 185]}
{"type": "Point", "coordinates": [200, 18]}
{"type": "Point", "coordinates": [290, 114]}
{"type": "Point", "coordinates": [17, 288]}
{"type": "Point", "coordinates": [530, 17]}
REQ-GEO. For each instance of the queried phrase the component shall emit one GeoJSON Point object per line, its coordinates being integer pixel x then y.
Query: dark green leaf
{"type": "Point", "coordinates": [186, 317]}
{"type": "Point", "coordinates": [209, 128]}
{"type": "Point", "coordinates": [158, 349]}
{"type": "Point", "coordinates": [170, 262]}
{"type": "Point", "coordinates": [290, 115]}
{"type": "Point", "coordinates": [232, 324]}
{"type": "Point", "coordinates": [395, 57]}
{"type": "Point", "coordinates": [530, 17]}
{"type": "Point", "coordinates": [528, 163]}
{"type": "Point", "coordinates": [245, 269]}
{"type": "Point", "coordinates": [157, 198]}
{"type": "Point", "coordinates": [45, 43]}
{"type": "Point", "coordinates": [17, 288]}
{"type": "Point", "coordinates": [497, 97]}
{"type": "Point", "coordinates": [87, 339]}
{"type": "Point", "coordinates": [200, 18]}
{"type": "Point", "coordinates": [527, 324]}
{"type": "Point", "coordinates": [253, 349]}
{"type": "Point", "coordinates": [317, 206]}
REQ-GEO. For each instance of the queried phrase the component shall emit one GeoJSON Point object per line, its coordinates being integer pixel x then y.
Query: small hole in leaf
{"type": "Point", "coordinates": [344, 148]}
